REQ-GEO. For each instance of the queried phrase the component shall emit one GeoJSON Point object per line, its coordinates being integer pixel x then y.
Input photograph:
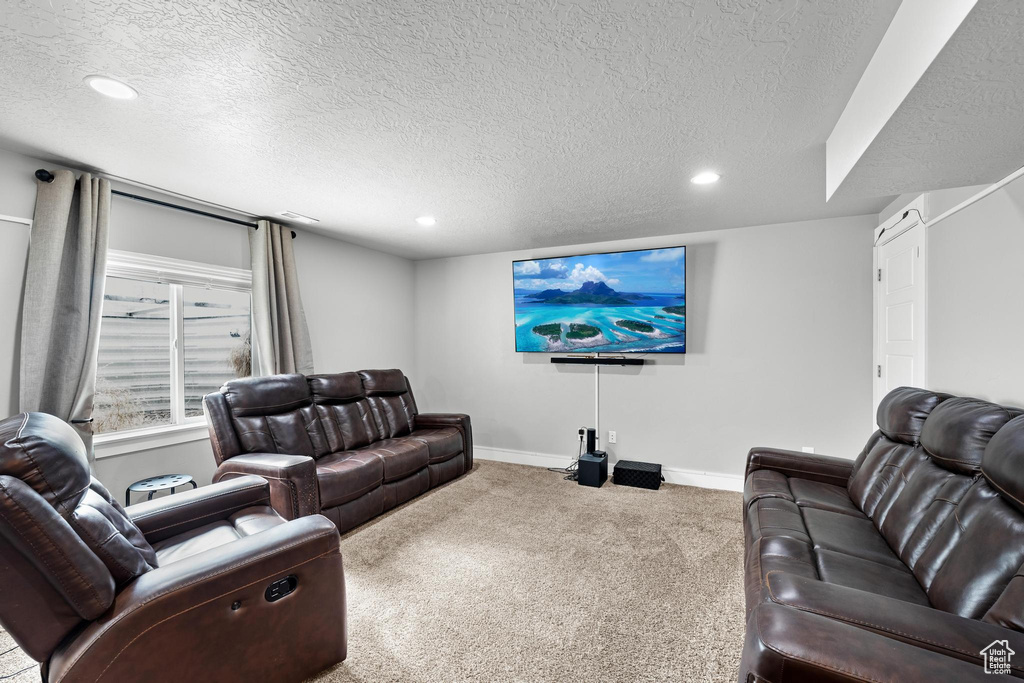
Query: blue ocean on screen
{"type": "Point", "coordinates": [622, 302]}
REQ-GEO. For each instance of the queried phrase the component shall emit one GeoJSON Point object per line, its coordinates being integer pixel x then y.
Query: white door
{"type": "Point", "coordinates": [900, 308]}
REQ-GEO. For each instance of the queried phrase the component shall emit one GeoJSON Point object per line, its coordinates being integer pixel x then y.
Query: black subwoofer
{"type": "Point", "coordinates": [642, 475]}
{"type": "Point", "coordinates": [593, 469]}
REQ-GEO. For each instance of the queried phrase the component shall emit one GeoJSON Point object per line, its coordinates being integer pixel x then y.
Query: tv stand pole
{"type": "Point", "coordinates": [597, 361]}
{"type": "Point", "coordinates": [597, 405]}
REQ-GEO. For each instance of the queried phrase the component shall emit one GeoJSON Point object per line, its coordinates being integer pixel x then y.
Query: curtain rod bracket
{"type": "Point", "coordinates": [44, 175]}
{"type": "Point", "coordinates": [293, 232]}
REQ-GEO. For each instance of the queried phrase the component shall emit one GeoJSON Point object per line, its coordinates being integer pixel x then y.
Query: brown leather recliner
{"type": "Point", "coordinates": [349, 445]}
{"type": "Point", "coordinates": [177, 588]}
{"type": "Point", "coordinates": [904, 565]}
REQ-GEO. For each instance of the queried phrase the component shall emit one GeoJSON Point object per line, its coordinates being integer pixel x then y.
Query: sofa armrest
{"type": "Point", "coordinates": [169, 515]}
{"type": "Point", "coordinates": [294, 491]}
{"type": "Point", "coordinates": [822, 468]}
{"type": "Point", "coordinates": [785, 645]}
{"type": "Point", "coordinates": [931, 629]}
{"type": "Point", "coordinates": [460, 420]}
{"type": "Point", "coordinates": [171, 622]}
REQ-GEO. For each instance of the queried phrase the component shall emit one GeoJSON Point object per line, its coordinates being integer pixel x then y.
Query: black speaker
{"type": "Point", "coordinates": [593, 469]}
{"type": "Point", "coordinates": [643, 475]}
{"type": "Point", "coordinates": [591, 439]}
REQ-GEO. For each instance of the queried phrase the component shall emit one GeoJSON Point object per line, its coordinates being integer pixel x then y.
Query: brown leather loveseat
{"type": "Point", "coordinates": [349, 445]}
{"type": "Point", "coordinates": [173, 589]}
{"type": "Point", "coordinates": [904, 565]}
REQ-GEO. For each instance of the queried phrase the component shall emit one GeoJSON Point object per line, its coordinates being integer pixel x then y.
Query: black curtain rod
{"type": "Point", "coordinates": [47, 177]}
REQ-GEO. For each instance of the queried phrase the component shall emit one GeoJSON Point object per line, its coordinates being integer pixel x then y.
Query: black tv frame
{"type": "Point", "coordinates": [686, 291]}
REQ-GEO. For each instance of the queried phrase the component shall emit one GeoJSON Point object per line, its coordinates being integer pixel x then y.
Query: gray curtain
{"type": "Point", "coordinates": [60, 325]}
{"type": "Point", "coordinates": [280, 338]}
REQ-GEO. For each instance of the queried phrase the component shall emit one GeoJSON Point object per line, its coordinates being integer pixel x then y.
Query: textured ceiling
{"type": "Point", "coordinates": [961, 124]}
{"type": "Point", "coordinates": [517, 124]}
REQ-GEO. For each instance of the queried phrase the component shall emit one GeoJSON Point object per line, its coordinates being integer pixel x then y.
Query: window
{"type": "Point", "coordinates": [172, 331]}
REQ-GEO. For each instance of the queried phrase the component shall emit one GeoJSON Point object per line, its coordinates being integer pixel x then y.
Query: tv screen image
{"type": "Point", "coordinates": [616, 302]}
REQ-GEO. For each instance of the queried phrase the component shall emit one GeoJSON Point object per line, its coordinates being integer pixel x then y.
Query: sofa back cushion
{"type": "Point", "coordinates": [962, 538]}
{"type": "Point", "coordinates": [391, 401]}
{"type": "Point", "coordinates": [974, 554]}
{"type": "Point", "coordinates": [920, 497]}
{"type": "Point", "coordinates": [345, 413]}
{"type": "Point", "coordinates": [1001, 530]}
{"type": "Point", "coordinates": [934, 478]}
{"type": "Point", "coordinates": [1003, 463]}
{"type": "Point", "coordinates": [275, 414]}
{"type": "Point", "coordinates": [903, 411]}
{"type": "Point", "coordinates": [1003, 469]}
{"type": "Point", "coordinates": [894, 447]}
{"type": "Point", "coordinates": [958, 430]}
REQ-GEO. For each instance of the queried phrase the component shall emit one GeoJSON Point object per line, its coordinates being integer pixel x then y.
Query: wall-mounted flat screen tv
{"type": "Point", "coordinates": [615, 302]}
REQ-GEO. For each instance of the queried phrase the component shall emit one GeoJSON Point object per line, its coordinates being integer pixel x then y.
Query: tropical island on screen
{"type": "Point", "coordinates": [620, 302]}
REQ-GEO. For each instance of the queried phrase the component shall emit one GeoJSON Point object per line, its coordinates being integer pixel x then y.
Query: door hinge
{"type": "Point", "coordinates": [879, 274]}
{"type": "Point", "coordinates": [879, 370]}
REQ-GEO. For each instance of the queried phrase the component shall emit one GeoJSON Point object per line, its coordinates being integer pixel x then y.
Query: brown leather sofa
{"type": "Point", "coordinates": [349, 446]}
{"type": "Point", "coordinates": [903, 565]}
{"type": "Point", "coordinates": [169, 590]}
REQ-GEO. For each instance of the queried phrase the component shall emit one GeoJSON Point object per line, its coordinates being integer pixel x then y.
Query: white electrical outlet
{"type": "Point", "coordinates": [611, 437]}
{"type": "Point", "coordinates": [808, 449]}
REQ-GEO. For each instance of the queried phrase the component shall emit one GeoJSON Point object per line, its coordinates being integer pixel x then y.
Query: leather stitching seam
{"type": "Point", "coordinates": [1001, 489]}
{"type": "Point", "coordinates": [235, 411]}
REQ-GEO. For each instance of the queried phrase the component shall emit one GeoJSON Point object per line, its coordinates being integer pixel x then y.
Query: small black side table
{"type": "Point", "coordinates": [161, 483]}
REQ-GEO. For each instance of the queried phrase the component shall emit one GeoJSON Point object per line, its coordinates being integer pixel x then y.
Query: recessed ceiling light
{"type": "Point", "coordinates": [426, 221]}
{"type": "Point", "coordinates": [705, 178]}
{"type": "Point", "coordinates": [297, 217]}
{"type": "Point", "coordinates": [111, 88]}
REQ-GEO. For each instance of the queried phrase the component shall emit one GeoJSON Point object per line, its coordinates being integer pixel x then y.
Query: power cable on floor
{"type": "Point", "coordinates": [571, 471]}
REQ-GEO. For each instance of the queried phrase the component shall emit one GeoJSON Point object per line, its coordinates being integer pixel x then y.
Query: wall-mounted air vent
{"type": "Point", "coordinates": [297, 217]}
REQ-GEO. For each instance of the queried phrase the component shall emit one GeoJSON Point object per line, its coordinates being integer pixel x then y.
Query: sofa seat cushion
{"type": "Point", "coordinates": [762, 484]}
{"type": "Point", "coordinates": [815, 494]}
{"type": "Point", "coordinates": [442, 443]}
{"type": "Point", "coordinates": [847, 534]}
{"type": "Point", "coordinates": [245, 522]}
{"type": "Point", "coordinates": [347, 475]}
{"type": "Point", "coordinates": [401, 456]}
{"type": "Point", "coordinates": [873, 577]}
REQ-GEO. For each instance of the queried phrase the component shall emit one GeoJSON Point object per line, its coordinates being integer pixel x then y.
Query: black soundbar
{"type": "Point", "coordinates": [597, 360]}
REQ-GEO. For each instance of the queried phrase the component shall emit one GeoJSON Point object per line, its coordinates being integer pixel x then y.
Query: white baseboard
{"type": "Point", "coordinates": [673, 475]}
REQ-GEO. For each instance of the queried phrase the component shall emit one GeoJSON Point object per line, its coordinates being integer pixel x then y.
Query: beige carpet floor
{"type": "Point", "coordinates": [513, 574]}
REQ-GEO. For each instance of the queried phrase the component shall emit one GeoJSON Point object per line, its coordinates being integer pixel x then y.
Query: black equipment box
{"type": "Point", "coordinates": [593, 469]}
{"type": "Point", "coordinates": [643, 475]}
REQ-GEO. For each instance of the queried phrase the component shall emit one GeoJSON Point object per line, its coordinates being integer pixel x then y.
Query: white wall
{"type": "Point", "coordinates": [974, 263]}
{"type": "Point", "coordinates": [975, 315]}
{"type": "Point", "coordinates": [358, 301]}
{"type": "Point", "coordinates": [359, 305]}
{"type": "Point", "coordinates": [779, 352]}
